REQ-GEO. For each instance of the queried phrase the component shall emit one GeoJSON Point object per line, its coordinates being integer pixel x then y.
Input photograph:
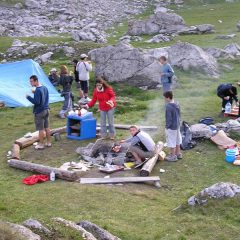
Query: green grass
{"type": "Point", "coordinates": [135, 212]}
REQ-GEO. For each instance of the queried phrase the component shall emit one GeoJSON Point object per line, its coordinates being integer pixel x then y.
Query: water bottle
{"type": "Point", "coordinates": [228, 107]}
{"type": "Point", "coordinates": [52, 176]}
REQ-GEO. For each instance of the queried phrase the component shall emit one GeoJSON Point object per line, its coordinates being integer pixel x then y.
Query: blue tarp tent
{"type": "Point", "coordinates": [14, 83]}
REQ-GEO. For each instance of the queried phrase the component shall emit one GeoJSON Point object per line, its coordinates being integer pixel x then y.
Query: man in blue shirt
{"type": "Point", "coordinates": [40, 111]}
{"type": "Point", "coordinates": [167, 74]}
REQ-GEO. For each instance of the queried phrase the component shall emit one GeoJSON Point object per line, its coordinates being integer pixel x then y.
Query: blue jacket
{"type": "Point", "coordinates": [173, 116]}
{"type": "Point", "coordinates": [40, 99]}
{"type": "Point", "coordinates": [168, 73]}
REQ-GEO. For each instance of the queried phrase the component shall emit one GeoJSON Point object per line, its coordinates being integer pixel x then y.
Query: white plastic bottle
{"type": "Point", "coordinates": [52, 176]}
{"type": "Point", "coordinates": [228, 107]}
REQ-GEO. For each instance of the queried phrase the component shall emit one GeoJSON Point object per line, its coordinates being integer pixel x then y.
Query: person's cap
{"type": "Point", "coordinates": [83, 55]}
{"type": "Point", "coordinates": [53, 70]}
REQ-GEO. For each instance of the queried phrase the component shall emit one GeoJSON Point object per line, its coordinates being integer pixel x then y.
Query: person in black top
{"type": "Point", "coordinates": [66, 82]}
{"type": "Point", "coordinates": [227, 92]}
{"type": "Point", "coordinates": [76, 75]}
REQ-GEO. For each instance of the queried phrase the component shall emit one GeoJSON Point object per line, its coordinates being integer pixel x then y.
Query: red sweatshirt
{"type": "Point", "coordinates": [103, 97]}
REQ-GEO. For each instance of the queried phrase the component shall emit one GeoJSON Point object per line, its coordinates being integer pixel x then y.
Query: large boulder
{"type": "Point", "coordinates": [155, 23]}
{"type": "Point", "coordinates": [219, 53]}
{"type": "Point", "coordinates": [124, 63]}
{"type": "Point", "coordinates": [138, 67]}
{"type": "Point", "coordinates": [166, 22]}
{"type": "Point", "coordinates": [189, 57]}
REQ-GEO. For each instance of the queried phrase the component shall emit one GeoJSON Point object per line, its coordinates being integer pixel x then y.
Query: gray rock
{"type": "Point", "coordinates": [159, 38]}
{"type": "Point", "coordinates": [238, 25]}
{"type": "Point", "coordinates": [24, 232]}
{"type": "Point", "coordinates": [36, 225]}
{"type": "Point", "coordinates": [69, 51]}
{"type": "Point", "coordinates": [229, 36]}
{"type": "Point", "coordinates": [189, 57]}
{"type": "Point", "coordinates": [45, 57]}
{"type": "Point", "coordinates": [198, 29]}
{"type": "Point", "coordinates": [18, 5]}
{"type": "Point", "coordinates": [25, 52]}
{"type": "Point", "coordinates": [217, 191]}
{"type": "Point", "coordinates": [123, 63]}
{"type": "Point", "coordinates": [219, 53]}
{"type": "Point", "coordinates": [155, 23]}
{"type": "Point", "coordinates": [3, 31]}
{"type": "Point", "coordinates": [233, 49]}
{"type": "Point", "coordinates": [32, 4]}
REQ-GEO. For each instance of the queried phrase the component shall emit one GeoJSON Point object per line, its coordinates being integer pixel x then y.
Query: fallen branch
{"type": "Point", "coordinates": [98, 233]}
{"type": "Point", "coordinates": [37, 168]}
{"type": "Point", "coordinates": [85, 234]}
{"type": "Point", "coordinates": [149, 165]}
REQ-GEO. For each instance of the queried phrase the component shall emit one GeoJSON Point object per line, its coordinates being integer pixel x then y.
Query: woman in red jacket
{"type": "Point", "coordinates": [105, 95]}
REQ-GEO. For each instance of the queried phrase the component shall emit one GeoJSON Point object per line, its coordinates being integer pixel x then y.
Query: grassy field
{"type": "Point", "coordinates": [135, 212]}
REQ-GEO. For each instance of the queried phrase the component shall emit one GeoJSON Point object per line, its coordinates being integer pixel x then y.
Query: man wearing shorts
{"type": "Point", "coordinates": [173, 134]}
{"type": "Point", "coordinates": [40, 111]}
{"type": "Point", "coordinates": [142, 145]}
{"type": "Point", "coordinates": [84, 67]}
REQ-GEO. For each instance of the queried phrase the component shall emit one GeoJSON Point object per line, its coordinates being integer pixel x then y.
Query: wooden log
{"type": "Point", "coordinates": [96, 231]}
{"type": "Point", "coordinates": [155, 180]}
{"type": "Point", "coordinates": [149, 165]}
{"type": "Point", "coordinates": [15, 151]}
{"type": "Point", "coordinates": [59, 130]}
{"type": "Point", "coordinates": [85, 234]}
{"type": "Point", "coordinates": [37, 168]}
{"type": "Point", "coordinates": [25, 142]}
{"type": "Point", "coordinates": [126, 127]}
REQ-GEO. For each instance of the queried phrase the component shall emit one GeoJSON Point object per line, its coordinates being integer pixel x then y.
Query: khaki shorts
{"type": "Point", "coordinates": [140, 152]}
{"type": "Point", "coordinates": [173, 137]}
{"type": "Point", "coordinates": [42, 120]}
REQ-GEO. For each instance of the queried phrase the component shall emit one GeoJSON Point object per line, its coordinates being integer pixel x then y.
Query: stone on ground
{"type": "Point", "coordinates": [36, 225]}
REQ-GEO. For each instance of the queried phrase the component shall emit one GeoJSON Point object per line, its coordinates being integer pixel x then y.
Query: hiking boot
{"type": "Point", "coordinates": [179, 156]}
{"type": "Point", "coordinates": [171, 158]}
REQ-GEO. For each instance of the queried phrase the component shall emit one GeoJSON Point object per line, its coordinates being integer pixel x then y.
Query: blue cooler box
{"type": "Point", "coordinates": [81, 127]}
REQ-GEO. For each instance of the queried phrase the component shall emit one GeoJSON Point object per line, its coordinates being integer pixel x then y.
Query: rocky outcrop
{"type": "Point", "coordinates": [90, 33]}
{"type": "Point", "coordinates": [219, 53]}
{"type": "Point", "coordinates": [155, 23]}
{"type": "Point", "coordinates": [47, 18]}
{"type": "Point", "coordinates": [217, 191]}
{"type": "Point", "coordinates": [138, 67]}
{"type": "Point", "coordinates": [166, 22]}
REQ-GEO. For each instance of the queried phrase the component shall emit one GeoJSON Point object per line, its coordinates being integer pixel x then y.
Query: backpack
{"type": "Point", "coordinates": [187, 142]}
{"type": "Point", "coordinates": [207, 121]}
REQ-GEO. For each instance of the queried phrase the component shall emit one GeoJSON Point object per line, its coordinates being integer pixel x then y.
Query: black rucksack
{"type": "Point", "coordinates": [187, 142]}
{"type": "Point", "coordinates": [207, 121]}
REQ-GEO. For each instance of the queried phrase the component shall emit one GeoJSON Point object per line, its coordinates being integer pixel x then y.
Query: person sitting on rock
{"type": "Point", "coordinates": [66, 82]}
{"type": "Point", "coordinates": [167, 74]}
{"type": "Point", "coordinates": [142, 145]}
{"type": "Point", "coordinates": [227, 92]}
{"type": "Point", "coordinates": [53, 77]}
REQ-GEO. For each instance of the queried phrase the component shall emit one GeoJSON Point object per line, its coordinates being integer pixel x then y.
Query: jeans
{"type": "Point", "coordinates": [110, 116]}
{"type": "Point", "coordinates": [67, 104]}
{"type": "Point", "coordinates": [166, 87]}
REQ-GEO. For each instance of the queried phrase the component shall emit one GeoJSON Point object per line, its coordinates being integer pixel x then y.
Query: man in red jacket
{"type": "Point", "coordinates": [105, 95]}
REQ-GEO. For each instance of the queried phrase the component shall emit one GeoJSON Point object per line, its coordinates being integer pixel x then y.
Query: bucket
{"type": "Point", "coordinates": [57, 136]}
{"type": "Point", "coordinates": [230, 155]}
